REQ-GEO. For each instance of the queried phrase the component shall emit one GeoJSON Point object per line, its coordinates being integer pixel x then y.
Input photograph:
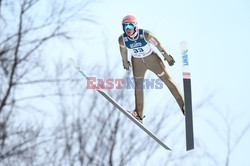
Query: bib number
{"type": "Point", "coordinates": [138, 50]}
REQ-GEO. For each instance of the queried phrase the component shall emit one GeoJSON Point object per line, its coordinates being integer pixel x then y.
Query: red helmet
{"type": "Point", "coordinates": [130, 19]}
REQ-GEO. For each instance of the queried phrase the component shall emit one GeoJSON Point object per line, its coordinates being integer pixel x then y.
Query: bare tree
{"type": "Point", "coordinates": [229, 133]}
{"type": "Point", "coordinates": [24, 33]}
{"type": "Point", "coordinates": [90, 131]}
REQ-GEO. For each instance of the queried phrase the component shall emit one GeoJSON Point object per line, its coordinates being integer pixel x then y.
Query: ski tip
{"type": "Point", "coordinates": [73, 62]}
{"type": "Point", "coordinates": [183, 46]}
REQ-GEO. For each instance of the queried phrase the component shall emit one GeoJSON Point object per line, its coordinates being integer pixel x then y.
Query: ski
{"type": "Point", "coordinates": [187, 97]}
{"type": "Point", "coordinates": [119, 107]}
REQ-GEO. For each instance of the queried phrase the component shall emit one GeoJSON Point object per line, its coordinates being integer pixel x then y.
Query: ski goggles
{"type": "Point", "coordinates": [128, 26]}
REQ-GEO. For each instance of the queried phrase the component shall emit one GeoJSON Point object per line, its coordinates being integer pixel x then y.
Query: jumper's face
{"type": "Point", "coordinates": [129, 28]}
{"type": "Point", "coordinates": [129, 32]}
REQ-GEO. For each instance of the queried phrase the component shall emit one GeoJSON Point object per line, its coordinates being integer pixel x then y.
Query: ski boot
{"type": "Point", "coordinates": [183, 110]}
{"type": "Point", "coordinates": [137, 116]}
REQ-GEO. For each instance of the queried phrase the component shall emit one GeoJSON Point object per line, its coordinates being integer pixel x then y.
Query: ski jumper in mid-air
{"type": "Point", "coordinates": [136, 42]}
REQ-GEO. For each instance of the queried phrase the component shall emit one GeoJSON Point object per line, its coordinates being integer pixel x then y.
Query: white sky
{"type": "Point", "coordinates": [217, 32]}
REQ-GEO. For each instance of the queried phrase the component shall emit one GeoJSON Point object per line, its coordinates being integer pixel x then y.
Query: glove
{"type": "Point", "coordinates": [126, 65]}
{"type": "Point", "coordinates": [170, 59]}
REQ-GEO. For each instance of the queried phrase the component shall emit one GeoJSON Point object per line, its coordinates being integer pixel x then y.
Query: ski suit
{"type": "Point", "coordinates": [143, 58]}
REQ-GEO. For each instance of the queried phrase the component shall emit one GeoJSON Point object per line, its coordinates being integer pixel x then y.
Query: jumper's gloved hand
{"type": "Point", "coordinates": [126, 65]}
{"type": "Point", "coordinates": [169, 58]}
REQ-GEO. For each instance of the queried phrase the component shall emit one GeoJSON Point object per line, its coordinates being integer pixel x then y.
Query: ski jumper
{"type": "Point", "coordinates": [143, 58]}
